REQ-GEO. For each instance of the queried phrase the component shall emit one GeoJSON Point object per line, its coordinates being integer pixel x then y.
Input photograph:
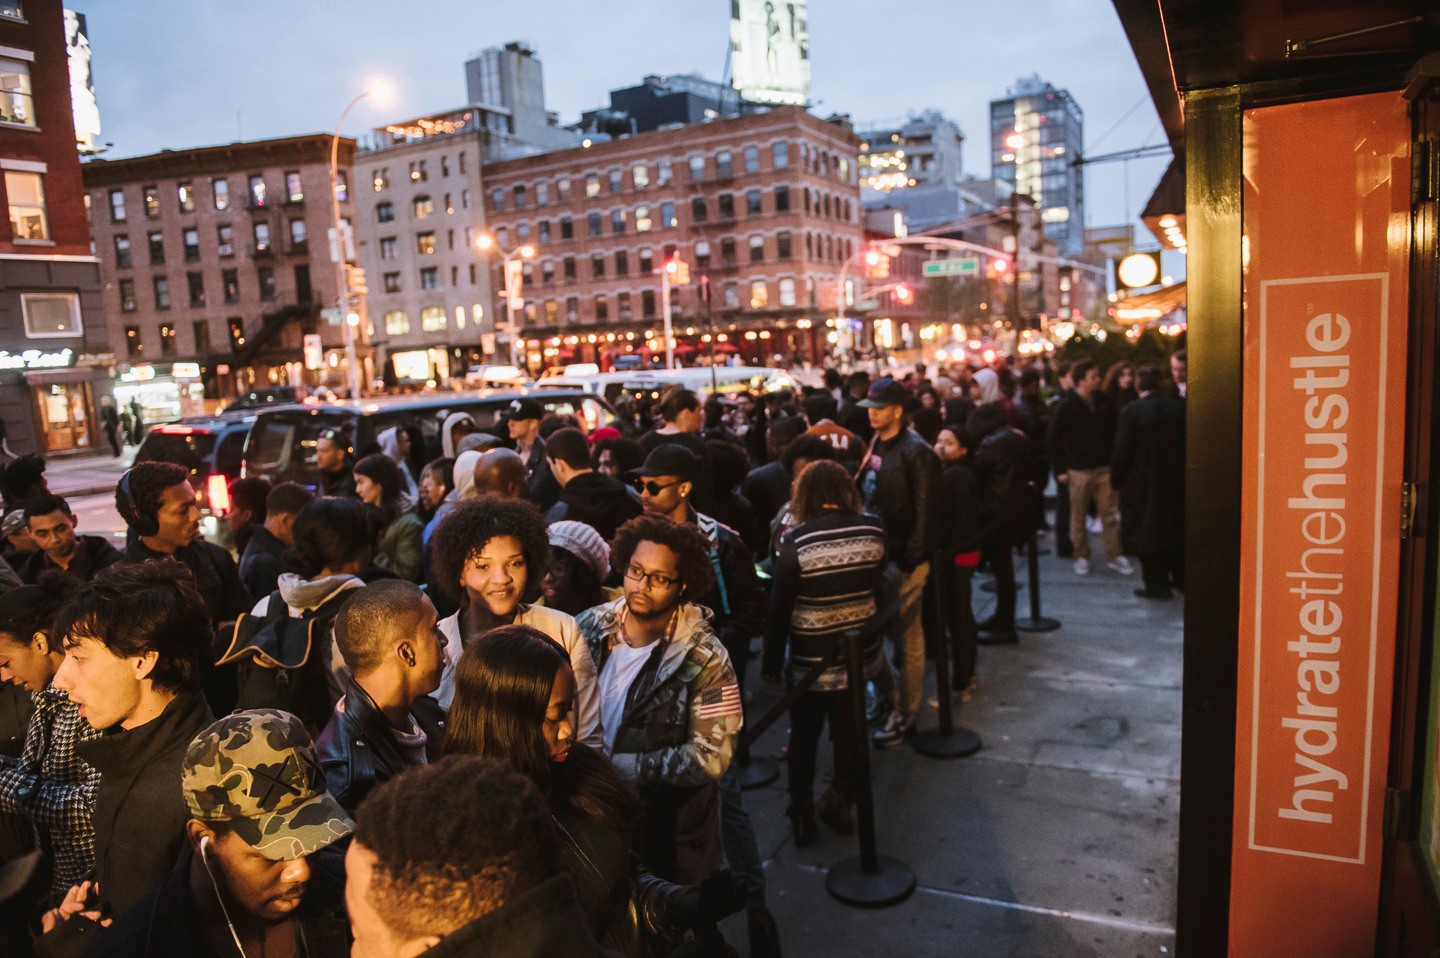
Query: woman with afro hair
{"type": "Point", "coordinates": [489, 555]}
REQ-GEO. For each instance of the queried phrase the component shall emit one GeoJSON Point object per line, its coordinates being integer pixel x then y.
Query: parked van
{"type": "Point", "coordinates": [281, 446]}
{"type": "Point", "coordinates": [727, 380]}
{"type": "Point", "coordinates": [210, 449]}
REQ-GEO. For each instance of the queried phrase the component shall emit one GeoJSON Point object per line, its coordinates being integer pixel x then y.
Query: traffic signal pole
{"type": "Point", "coordinates": [665, 312]}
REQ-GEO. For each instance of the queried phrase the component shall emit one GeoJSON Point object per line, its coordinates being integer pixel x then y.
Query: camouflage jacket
{"type": "Point", "coordinates": [682, 713]}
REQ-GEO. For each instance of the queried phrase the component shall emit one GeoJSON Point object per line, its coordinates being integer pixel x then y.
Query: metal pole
{"type": "Point", "coordinates": [342, 284]}
{"type": "Point", "coordinates": [710, 321]}
{"type": "Point", "coordinates": [1036, 622]}
{"type": "Point", "coordinates": [946, 741]}
{"type": "Point", "coordinates": [517, 354]}
{"type": "Point", "coordinates": [665, 311]}
{"type": "Point", "coordinates": [1015, 265]}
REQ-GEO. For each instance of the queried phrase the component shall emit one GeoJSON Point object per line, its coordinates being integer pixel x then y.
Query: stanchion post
{"type": "Point", "coordinates": [870, 880]}
{"type": "Point", "coordinates": [1036, 622]}
{"type": "Point", "coordinates": [946, 741]}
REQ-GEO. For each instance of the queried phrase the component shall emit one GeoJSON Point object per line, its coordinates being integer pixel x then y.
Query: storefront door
{"type": "Point", "coordinates": [64, 412]}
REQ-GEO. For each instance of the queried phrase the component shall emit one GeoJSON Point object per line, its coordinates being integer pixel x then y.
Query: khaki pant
{"type": "Point", "coordinates": [908, 632]}
{"type": "Point", "coordinates": [1087, 484]}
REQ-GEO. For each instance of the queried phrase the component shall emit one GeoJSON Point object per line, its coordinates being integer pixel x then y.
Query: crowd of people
{"type": "Point", "coordinates": [492, 703]}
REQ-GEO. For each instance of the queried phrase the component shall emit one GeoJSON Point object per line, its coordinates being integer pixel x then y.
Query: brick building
{"type": "Point", "coordinates": [54, 347]}
{"type": "Point", "coordinates": [763, 208]}
{"type": "Point", "coordinates": [216, 262]}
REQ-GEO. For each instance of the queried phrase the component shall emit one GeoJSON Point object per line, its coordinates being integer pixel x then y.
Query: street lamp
{"type": "Point", "coordinates": [381, 91]}
{"type": "Point", "coordinates": [510, 259]}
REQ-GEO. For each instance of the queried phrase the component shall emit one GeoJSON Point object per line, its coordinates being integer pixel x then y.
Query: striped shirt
{"type": "Point", "coordinates": [825, 580]}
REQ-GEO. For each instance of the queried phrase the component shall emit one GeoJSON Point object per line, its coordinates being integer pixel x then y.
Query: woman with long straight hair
{"type": "Point", "coordinates": [515, 700]}
{"type": "Point", "coordinates": [380, 483]}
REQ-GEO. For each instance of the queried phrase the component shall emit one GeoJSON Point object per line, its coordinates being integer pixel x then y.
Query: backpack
{"type": "Point", "coordinates": [282, 662]}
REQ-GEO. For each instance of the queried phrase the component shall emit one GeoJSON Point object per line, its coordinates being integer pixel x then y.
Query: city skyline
{"type": "Point", "coordinates": [150, 103]}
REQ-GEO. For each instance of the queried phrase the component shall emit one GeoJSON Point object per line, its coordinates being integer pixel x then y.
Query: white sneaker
{"type": "Point", "coordinates": [1121, 565]}
{"type": "Point", "coordinates": [1082, 566]}
{"type": "Point", "coordinates": [1093, 525]}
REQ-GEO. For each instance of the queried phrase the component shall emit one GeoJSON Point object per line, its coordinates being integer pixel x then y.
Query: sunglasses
{"type": "Point", "coordinates": [654, 488]}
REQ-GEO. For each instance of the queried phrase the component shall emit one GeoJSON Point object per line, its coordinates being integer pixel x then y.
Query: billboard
{"type": "Point", "coordinates": [770, 51]}
{"type": "Point", "coordinates": [82, 85]}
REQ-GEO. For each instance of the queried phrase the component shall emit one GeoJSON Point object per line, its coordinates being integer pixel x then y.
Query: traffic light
{"type": "Point", "coordinates": [355, 280]}
{"type": "Point", "coordinates": [679, 271]}
{"type": "Point", "coordinates": [996, 267]}
{"type": "Point", "coordinates": [904, 294]}
{"type": "Point", "coordinates": [877, 264]}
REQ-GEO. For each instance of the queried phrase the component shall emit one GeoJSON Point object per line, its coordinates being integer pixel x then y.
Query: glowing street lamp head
{"type": "Point", "coordinates": [381, 91]}
{"type": "Point", "coordinates": [527, 251]}
{"type": "Point", "coordinates": [484, 242]}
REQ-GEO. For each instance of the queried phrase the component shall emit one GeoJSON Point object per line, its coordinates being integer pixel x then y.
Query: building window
{"type": "Point", "coordinates": [167, 339]}
{"type": "Point", "coordinates": [702, 254]}
{"type": "Point", "coordinates": [664, 173]}
{"type": "Point", "coordinates": [782, 199]}
{"type": "Point", "coordinates": [423, 206]}
{"type": "Point", "coordinates": [562, 189]}
{"type": "Point", "coordinates": [200, 331]}
{"type": "Point", "coordinates": [445, 171]}
{"type": "Point", "coordinates": [433, 319]}
{"type": "Point", "coordinates": [567, 228]}
{"type": "Point", "coordinates": [698, 212]}
{"type": "Point", "coordinates": [602, 308]}
{"type": "Point", "coordinates": [26, 194]}
{"type": "Point", "coordinates": [594, 221]}
{"type": "Point", "coordinates": [257, 190]}
{"type": "Point", "coordinates": [752, 203]}
{"type": "Point", "coordinates": [759, 294]}
{"type": "Point", "coordinates": [723, 166]}
{"type": "Point", "coordinates": [642, 219]}
{"type": "Point", "coordinates": [780, 154]}
{"type": "Point", "coordinates": [520, 197]}
{"type": "Point", "coordinates": [497, 200]}
{"type": "Point", "coordinates": [752, 159]}
{"type": "Point", "coordinates": [162, 292]}
{"type": "Point", "coordinates": [522, 231]}
{"type": "Point", "coordinates": [787, 292]}
{"type": "Point", "coordinates": [122, 251]}
{"type": "Point", "coordinates": [731, 295]}
{"type": "Point", "coordinates": [391, 282]}
{"type": "Point", "coordinates": [617, 181]}
{"type": "Point", "coordinates": [597, 266]}
{"type": "Point", "coordinates": [425, 243]}
{"type": "Point", "coordinates": [592, 184]}
{"type": "Point", "coordinates": [418, 172]}
{"type": "Point", "coordinates": [262, 237]}
{"type": "Point", "coordinates": [384, 213]}
{"type": "Point", "coordinates": [117, 206]}
{"type": "Point", "coordinates": [230, 281]}
{"type": "Point", "coordinates": [156, 242]}
{"type": "Point", "coordinates": [380, 179]}
{"type": "Point", "coordinates": [544, 231]}
{"type": "Point", "coordinates": [397, 322]}
{"type": "Point", "coordinates": [547, 273]}
{"type": "Point", "coordinates": [464, 199]}
{"type": "Point", "coordinates": [640, 174]}
{"type": "Point", "coordinates": [237, 334]}
{"type": "Point", "coordinates": [185, 193]}
{"type": "Point", "coordinates": [622, 263]}
{"type": "Point", "coordinates": [294, 192]}
{"type": "Point", "coordinates": [542, 194]}
{"type": "Point", "coordinates": [697, 169]}
{"type": "Point", "coordinates": [569, 269]}
{"type": "Point", "coordinates": [783, 245]}
{"type": "Point", "coordinates": [191, 238]}
{"type": "Point", "coordinates": [552, 312]}
{"type": "Point", "coordinates": [757, 249]}
{"type": "Point", "coordinates": [297, 234]}
{"type": "Point", "coordinates": [150, 201]}
{"type": "Point", "coordinates": [647, 262]}
{"type": "Point", "coordinates": [430, 279]}
{"type": "Point", "coordinates": [667, 215]}
{"type": "Point", "coordinates": [266, 276]}
{"type": "Point", "coordinates": [388, 248]}
{"type": "Point", "coordinates": [127, 295]}
{"type": "Point", "coordinates": [647, 303]}
{"type": "Point", "coordinates": [472, 274]}
{"type": "Point", "coordinates": [572, 308]}
{"type": "Point", "coordinates": [134, 348]}
{"type": "Point", "coordinates": [622, 307]}
{"type": "Point", "coordinates": [15, 101]}
{"type": "Point", "coordinates": [727, 250]}
{"type": "Point", "coordinates": [727, 206]}
{"type": "Point", "coordinates": [225, 239]}
{"type": "Point", "coordinates": [220, 190]}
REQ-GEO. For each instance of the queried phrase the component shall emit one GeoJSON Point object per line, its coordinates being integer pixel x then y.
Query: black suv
{"type": "Point", "coordinates": [210, 449]}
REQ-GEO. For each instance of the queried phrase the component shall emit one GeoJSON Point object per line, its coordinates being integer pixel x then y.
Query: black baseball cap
{"type": "Point", "coordinates": [526, 409]}
{"type": "Point", "coordinates": [669, 459]}
{"type": "Point", "coordinates": [884, 391]}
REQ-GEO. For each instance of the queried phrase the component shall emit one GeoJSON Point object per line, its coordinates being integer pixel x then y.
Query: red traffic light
{"type": "Point", "coordinates": [671, 265]}
{"type": "Point", "coordinates": [904, 294]}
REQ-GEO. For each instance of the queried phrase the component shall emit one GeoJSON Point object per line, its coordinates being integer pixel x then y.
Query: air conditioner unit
{"type": "Point", "coordinates": [225, 249]}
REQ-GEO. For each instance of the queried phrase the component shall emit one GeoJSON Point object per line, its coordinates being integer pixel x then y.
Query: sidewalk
{"type": "Point", "coordinates": [75, 476]}
{"type": "Point", "coordinates": [1058, 839]}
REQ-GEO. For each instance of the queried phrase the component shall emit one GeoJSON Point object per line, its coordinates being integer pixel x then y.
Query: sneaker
{"type": "Point", "coordinates": [1082, 566]}
{"type": "Point", "coordinates": [802, 823]}
{"type": "Point", "coordinates": [1093, 525]}
{"type": "Point", "coordinates": [1121, 565]}
{"type": "Point", "coordinates": [897, 728]}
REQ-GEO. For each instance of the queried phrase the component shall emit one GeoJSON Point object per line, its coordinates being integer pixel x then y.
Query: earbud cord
{"type": "Point", "coordinates": [205, 860]}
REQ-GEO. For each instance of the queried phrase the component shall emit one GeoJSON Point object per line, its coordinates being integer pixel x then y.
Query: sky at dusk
{"type": "Point", "coordinates": [182, 73]}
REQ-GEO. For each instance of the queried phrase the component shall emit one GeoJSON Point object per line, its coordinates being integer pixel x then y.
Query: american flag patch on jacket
{"type": "Point", "coordinates": [719, 702]}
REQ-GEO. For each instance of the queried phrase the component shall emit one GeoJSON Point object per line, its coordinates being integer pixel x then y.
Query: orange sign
{"type": "Point", "coordinates": [1326, 220]}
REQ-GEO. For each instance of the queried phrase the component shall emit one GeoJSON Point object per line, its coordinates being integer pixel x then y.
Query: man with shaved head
{"type": "Point", "coordinates": [384, 723]}
{"type": "Point", "coordinates": [500, 472]}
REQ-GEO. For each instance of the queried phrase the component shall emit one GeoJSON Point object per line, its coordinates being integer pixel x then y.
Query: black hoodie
{"type": "Point", "coordinates": [543, 922]}
{"type": "Point", "coordinates": [597, 500]}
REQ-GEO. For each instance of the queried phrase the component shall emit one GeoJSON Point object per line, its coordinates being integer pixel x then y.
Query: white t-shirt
{"type": "Point", "coordinates": [618, 675]}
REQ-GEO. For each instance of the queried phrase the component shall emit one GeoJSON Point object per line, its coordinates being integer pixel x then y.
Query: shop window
{"type": "Point", "coordinates": [26, 195]}
{"type": "Point", "coordinates": [433, 319]}
{"type": "Point", "coordinates": [122, 252]}
{"type": "Point", "coordinates": [220, 190]}
{"type": "Point", "coordinates": [397, 322]}
{"type": "Point", "coordinates": [162, 292]}
{"type": "Point", "coordinates": [127, 295]}
{"type": "Point", "coordinates": [167, 339]}
{"type": "Point", "coordinates": [134, 348]}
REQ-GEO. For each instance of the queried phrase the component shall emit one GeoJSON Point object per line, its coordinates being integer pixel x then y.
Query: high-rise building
{"type": "Point", "coordinates": [663, 101]}
{"type": "Point", "coordinates": [510, 80]}
{"type": "Point", "coordinates": [1036, 134]}
{"type": "Point", "coordinates": [55, 356]}
{"type": "Point", "coordinates": [920, 150]}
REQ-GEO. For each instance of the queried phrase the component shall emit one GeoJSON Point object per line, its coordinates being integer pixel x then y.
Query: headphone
{"type": "Point", "coordinates": [219, 898]}
{"type": "Point", "coordinates": [130, 511]}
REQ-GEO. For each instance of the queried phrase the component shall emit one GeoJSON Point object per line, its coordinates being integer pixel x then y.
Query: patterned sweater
{"type": "Point", "coordinates": [825, 579]}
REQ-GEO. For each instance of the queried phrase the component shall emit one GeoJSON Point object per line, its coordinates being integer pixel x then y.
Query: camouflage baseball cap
{"type": "Point", "coordinates": [257, 772]}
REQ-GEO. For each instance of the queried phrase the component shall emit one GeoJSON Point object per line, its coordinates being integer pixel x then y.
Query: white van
{"type": "Point", "coordinates": [720, 380]}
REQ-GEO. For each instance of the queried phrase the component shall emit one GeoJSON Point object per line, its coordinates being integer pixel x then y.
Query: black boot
{"type": "Point", "coordinates": [802, 822]}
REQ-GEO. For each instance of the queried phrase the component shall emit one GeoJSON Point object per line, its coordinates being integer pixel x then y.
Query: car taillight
{"type": "Point", "coordinates": [217, 490]}
{"type": "Point", "coordinates": [592, 418]}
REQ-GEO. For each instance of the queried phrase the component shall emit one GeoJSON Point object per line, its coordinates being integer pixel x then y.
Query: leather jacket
{"type": "Point", "coordinates": [358, 750]}
{"type": "Point", "coordinates": [906, 487]}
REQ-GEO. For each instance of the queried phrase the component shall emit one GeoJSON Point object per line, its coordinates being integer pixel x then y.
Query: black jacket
{"type": "Point", "coordinates": [768, 489]}
{"type": "Point", "coordinates": [358, 749]}
{"type": "Point", "coordinates": [1149, 472]}
{"type": "Point", "coordinates": [1081, 434]}
{"type": "Point", "coordinates": [597, 500]}
{"type": "Point", "coordinates": [1006, 468]}
{"type": "Point", "coordinates": [93, 553]}
{"type": "Point", "coordinates": [541, 486]}
{"type": "Point", "coordinates": [339, 483]}
{"type": "Point", "coordinates": [737, 599]}
{"type": "Point", "coordinates": [854, 417]}
{"type": "Point", "coordinates": [260, 565]}
{"type": "Point", "coordinates": [964, 511]}
{"type": "Point", "coordinates": [140, 811]}
{"type": "Point", "coordinates": [215, 576]}
{"type": "Point", "coordinates": [906, 487]}
{"type": "Point", "coordinates": [543, 922]}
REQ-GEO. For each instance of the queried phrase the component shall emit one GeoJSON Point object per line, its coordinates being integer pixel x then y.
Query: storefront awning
{"type": "Point", "coordinates": [1148, 307]}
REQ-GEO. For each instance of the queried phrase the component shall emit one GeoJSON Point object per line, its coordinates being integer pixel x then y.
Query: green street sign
{"type": "Point", "coordinates": [968, 266]}
{"type": "Point", "coordinates": [867, 304]}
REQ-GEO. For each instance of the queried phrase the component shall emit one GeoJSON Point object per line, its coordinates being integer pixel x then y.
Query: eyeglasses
{"type": "Point", "coordinates": [654, 488]}
{"type": "Point", "coordinates": [636, 574]}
